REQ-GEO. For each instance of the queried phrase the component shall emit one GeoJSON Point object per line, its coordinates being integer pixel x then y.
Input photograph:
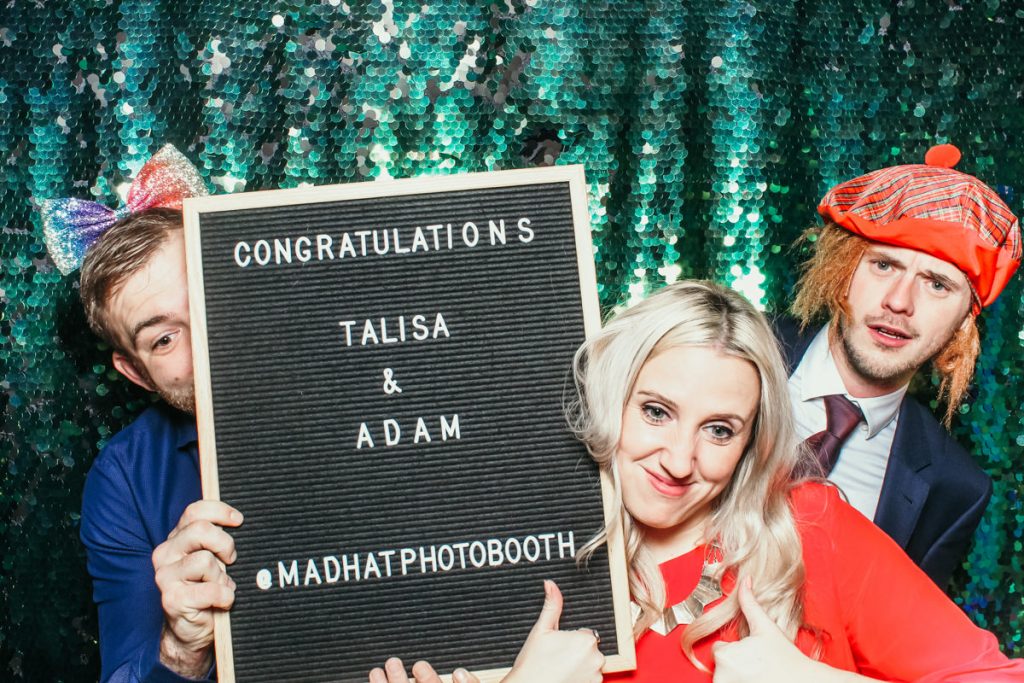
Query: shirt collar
{"type": "Point", "coordinates": [185, 434]}
{"type": "Point", "coordinates": [820, 378]}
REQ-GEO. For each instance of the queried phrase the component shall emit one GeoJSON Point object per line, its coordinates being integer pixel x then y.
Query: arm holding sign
{"type": "Point", "coordinates": [118, 547]}
{"type": "Point", "coordinates": [137, 500]}
{"type": "Point", "coordinates": [553, 655]}
{"type": "Point", "coordinates": [193, 583]}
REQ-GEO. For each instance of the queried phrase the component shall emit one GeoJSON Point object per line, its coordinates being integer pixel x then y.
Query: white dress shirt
{"type": "Point", "coordinates": [865, 454]}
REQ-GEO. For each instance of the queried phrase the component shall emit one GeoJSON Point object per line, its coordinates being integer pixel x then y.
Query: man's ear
{"type": "Point", "coordinates": [126, 366]}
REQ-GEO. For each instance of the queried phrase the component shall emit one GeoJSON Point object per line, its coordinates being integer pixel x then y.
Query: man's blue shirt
{"type": "Point", "coordinates": [135, 493]}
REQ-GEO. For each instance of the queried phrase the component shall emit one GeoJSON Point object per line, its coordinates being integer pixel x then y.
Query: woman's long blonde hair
{"type": "Point", "coordinates": [751, 520]}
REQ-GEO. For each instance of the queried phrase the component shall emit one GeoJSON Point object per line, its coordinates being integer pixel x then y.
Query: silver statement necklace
{"type": "Point", "coordinates": [708, 589]}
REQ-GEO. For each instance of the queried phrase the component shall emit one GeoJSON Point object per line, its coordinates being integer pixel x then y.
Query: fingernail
{"type": "Point", "coordinates": [547, 587]}
{"type": "Point", "coordinates": [460, 675]}
{"type": "Point", "coordinates": [236, 516]}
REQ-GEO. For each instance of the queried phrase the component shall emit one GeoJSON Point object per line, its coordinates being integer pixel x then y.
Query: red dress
{"type": "Point", "coordinates": [853, 572]}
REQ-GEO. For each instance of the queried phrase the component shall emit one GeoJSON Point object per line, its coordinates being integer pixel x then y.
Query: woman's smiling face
{"type": "Point", "coordinates": [685, 426]}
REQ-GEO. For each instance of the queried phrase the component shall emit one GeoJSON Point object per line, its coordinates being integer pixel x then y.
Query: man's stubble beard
{"type": "Point", "coordinates": [182, 399]}
{"type": "Point", "coordinates": [877, 373]}
{"type": "Point", "coordinates": [866, 367]}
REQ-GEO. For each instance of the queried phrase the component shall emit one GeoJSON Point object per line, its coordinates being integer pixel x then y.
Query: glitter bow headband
{"type": "Point", "coordinates": [70, 226]}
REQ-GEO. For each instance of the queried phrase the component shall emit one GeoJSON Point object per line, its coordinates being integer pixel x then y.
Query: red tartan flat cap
{"type": "Point", "coordinates": [932, 208]}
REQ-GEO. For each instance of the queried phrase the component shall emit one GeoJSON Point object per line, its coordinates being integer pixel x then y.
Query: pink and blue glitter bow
{"type": "Point", "coordinates": [70, 226]}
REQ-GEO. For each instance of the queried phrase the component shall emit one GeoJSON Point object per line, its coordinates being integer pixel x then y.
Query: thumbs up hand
{"type": "Point", "coordinates": [766, 655]}
{"type": "Point", "coordinates": [555, 656]}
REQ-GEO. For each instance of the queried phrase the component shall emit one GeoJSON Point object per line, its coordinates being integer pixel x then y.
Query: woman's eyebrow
{"type": "Point", "coordinates": [660, 398]}
{"type": "Point", "coordinates": [729, 417]}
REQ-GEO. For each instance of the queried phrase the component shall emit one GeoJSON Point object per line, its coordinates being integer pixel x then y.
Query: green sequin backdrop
{"type": "Point", "coordinates": [708, 129]}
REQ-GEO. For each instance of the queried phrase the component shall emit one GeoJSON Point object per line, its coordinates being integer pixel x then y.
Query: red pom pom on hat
{"type": "Point", "coordinates": [943, 156]}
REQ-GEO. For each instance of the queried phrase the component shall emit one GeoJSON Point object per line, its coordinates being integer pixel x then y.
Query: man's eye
{"type": "Point", "coordinates": [163, 341]}
{"type": "Point", "coordinates": [938, 286]}
{"type": "Point", "coordinates": [883, 265]}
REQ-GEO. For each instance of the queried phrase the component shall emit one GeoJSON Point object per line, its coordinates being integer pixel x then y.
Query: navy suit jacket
{"type": "Point", "coordinates": [933, 494]}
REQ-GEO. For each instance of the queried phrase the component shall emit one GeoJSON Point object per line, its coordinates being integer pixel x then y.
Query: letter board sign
{"type": "Point", "coordinates": [381, 372]}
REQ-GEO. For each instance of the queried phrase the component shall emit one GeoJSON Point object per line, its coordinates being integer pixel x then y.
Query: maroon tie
{"type": "Point", "coordinates": [841, 416]}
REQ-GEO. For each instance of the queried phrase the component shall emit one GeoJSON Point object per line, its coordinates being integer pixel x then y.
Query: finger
{"type": "Point", "coordinates": [192, 568]}
{"type": "Point", "coordinates": [395, 671]}
{"type": "Point", "coordinates": [199, 535]}
{"type": "Point", "coordinates": [424, 673]}
{"type": "Point", "coordinates": [196, 584]}
{"type": "Point", "coordinates": [186, 599]}
{"type": "Point", "coordinates": [757, 619]}
{"type": "Point", "coordinates": [196, 568]}
{"type": "Point", "coordinates": [213, 511]}
{"type": "Point", "coordinates": [378, 676]}
{"type": "Point", "coordinates": [551, 612]}
{"type": "Point", "coordinates": [596, 663]}
{"type": "Point", "coordinates": [202, 566]}
{"type": "Point", "coordinates": [462, 676]}
{"type": "Point", "coordinates": [717, 647]}
{"type": "Point", "coordinates": [592, 634]}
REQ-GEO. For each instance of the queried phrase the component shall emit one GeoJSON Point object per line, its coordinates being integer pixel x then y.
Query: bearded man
{"type": "Point", "coordinates": [907, 258]}
{"type": "Point", "coordinates": [155, 551]}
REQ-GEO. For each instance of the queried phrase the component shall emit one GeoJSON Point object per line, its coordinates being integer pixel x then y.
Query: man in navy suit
{"type": "Point", "coordinates": [908, 256]}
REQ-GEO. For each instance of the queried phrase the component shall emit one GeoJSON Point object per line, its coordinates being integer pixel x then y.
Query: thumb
{"type": "Point", "coordinates": [551, 612]}
{"type": "Point", "coordinates": [463, 676]}
{"type": "Point", "coordinates": [757, 619]}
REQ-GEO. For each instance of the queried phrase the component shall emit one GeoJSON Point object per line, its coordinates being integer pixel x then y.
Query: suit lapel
{"type": "Point", "coordinates": [904, 490]}
{"type": "Point", "coordinates": [792, 342]}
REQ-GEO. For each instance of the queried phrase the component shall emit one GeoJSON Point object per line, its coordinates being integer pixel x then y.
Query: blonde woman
{"type": "Point", "coordinates": [738, 571]}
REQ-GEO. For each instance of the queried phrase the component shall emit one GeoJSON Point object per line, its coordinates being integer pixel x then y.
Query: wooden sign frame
{"type": "Point", "coordinates": [194, 212]}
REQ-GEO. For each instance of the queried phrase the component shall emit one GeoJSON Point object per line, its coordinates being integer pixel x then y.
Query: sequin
{"type": "Point", "coordinates": [709, 132]}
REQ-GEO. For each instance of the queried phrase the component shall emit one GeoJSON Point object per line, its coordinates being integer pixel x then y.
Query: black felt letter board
{"type": "Point", "coordinates": [381, 382]}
